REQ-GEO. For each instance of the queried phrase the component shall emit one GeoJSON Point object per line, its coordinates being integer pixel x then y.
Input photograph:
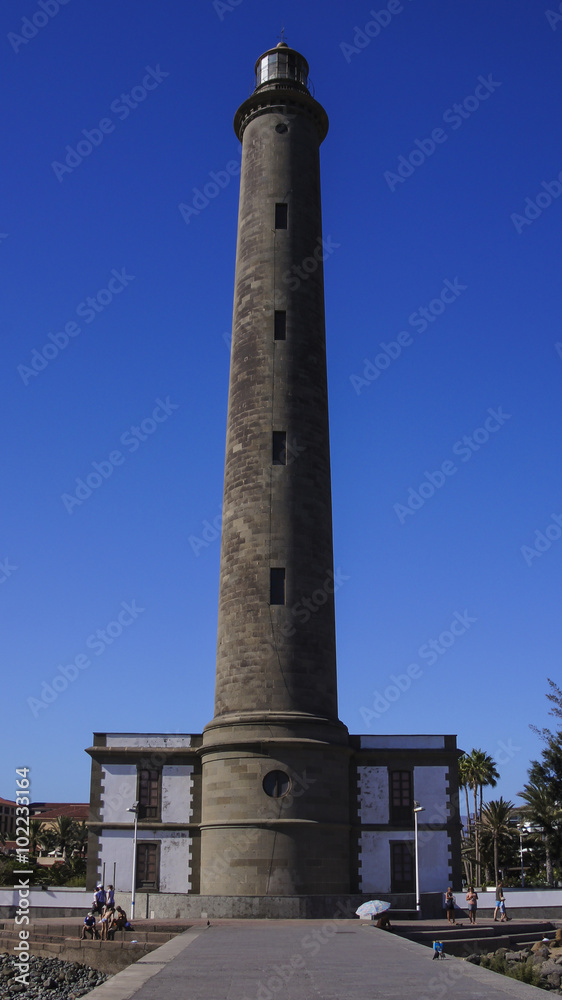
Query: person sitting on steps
{"type": "Point", "coordinates": [89, 927]}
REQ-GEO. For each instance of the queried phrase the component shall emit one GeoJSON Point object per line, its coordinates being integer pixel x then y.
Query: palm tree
{"type": "Point", "coordinates": [466, 851]}
{"type": "Point", "coordinates": [497, 818]}
{"type": "Point", "coordinates": [543, 811]}
{"type": "Point", "coordinates": [464, 782]}
{"type": "Point", "coordinates": [35, 835]}
{"type": "Point", "coordinates": [81, 836]}
{"type": "Point", "coordinates": [480, 770]}
{"type": "Point", "coordinates": [64, 832]}
{"type": "Point", "coordinates": [49, 839]}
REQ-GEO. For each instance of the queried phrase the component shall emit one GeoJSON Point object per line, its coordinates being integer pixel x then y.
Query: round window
{"type": "Point", "coordinates": [281, 128]}
{"type": "Point", "coordinates": [276, 784]}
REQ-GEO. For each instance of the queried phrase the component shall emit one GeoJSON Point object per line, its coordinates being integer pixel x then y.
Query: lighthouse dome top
{"type": "Point", "coordinates": [282, 65]}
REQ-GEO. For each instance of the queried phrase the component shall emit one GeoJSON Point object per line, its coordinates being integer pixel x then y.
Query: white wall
{"type": "Point", "coordinates": [79, 898]}
{"type": "Point", "coordinates": [147, 740]}
{"type": "Point", "coordinates": [373, 794]}
{"type": "Point", "coordinates": [430, 789]}
{"type": "Point", "coordinates": [177, 793]}
{"type": "Point", "coordinates": [402, 742]}
{"type": "Point", "coordinates": [175, 863]}
{"type": "Point", "coordinates": [116, 852]}
{"type": "Point", "coordinates": [434, 860]}
{"type": "Point", "coordinates": [175, 858]}
{"type": "Point", "coordinates": [374, 859]}
{"type": "Point", "coordinates": [119, 792]}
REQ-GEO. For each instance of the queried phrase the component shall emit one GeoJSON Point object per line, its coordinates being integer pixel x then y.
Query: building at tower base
{"type": "Point", "coordinates": [163, 774]}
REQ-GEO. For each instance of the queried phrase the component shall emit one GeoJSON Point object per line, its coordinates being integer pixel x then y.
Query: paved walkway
{"type": "Point", "coordinates": [303, 960]}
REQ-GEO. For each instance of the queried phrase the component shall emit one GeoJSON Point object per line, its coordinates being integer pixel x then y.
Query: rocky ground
{"type": "Point", "coordinates": [539, 966]}
{"type": "Point", "coordinates": [49, 979]}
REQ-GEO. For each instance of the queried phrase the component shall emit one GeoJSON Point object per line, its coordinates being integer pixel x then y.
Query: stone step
{"type": "Point", "coordinates": [107, 956]}
{"type": "Point", "coordinates": [52, 943]}
{"type": "Point", "coordinates": [392, 915]}
{"type": "Point", "coordinates": [466, 940]}
{"type": "Point", "coordinates": [490, 930]}
{"type": "Point", "coordinates": [73, 933]}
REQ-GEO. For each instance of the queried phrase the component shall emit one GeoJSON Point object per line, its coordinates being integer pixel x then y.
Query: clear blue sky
{"type": "Point", "coordinates": [450, 236]}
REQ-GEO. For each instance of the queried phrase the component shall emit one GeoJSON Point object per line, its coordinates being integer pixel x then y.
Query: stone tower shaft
{"type": "Point", "coordinates": [278, 657]}
{"type": "Point", "coordinates": [275, 758]}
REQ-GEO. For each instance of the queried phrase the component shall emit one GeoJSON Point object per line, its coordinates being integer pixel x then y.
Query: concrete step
{"type": "Point", "coordinates": [393, 915]}
{"type": "Point", "coordinates": [72, 933]}
{"type": "Point", "coordinates": [463, 940]}
{"type": "Point", "coordinates": [491, 930]}
{"type": "Point", "coordinates": [141, 936]}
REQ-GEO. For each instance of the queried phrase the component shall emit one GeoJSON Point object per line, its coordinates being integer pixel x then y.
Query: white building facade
{"type": "Point", "coordinates": [162, 774]}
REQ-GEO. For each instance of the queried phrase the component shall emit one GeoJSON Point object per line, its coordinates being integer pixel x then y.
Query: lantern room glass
{"type": "Point", "coordinates": [282, 65]}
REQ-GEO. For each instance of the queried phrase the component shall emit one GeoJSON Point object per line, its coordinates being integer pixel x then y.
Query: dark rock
{"type": "Point", "coordinates": [548, 967]}
{"type": "Point", "coordinates": [473, 959]}
{"type": "Point", "coordinates": [49, 979]}
{"type": "Point", "coordinates": [540, 948]}
{"type": "Point", "coordinates": [540, 955]}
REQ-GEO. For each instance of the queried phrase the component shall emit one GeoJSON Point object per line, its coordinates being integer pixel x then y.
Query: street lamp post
{"type": "Point", "coordinates": [417, 809]}
{"type": "Point", "coordinates": [523, 828]}
{"type": "Point", "coordinates": [134, 809]}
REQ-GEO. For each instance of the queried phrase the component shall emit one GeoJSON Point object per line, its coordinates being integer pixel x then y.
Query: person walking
{"type": "Point", "coordinates": [450, 905]}
{"type": "Point", "coordinates": [471, 902]}
{"type": "Point", "coordinates": [499, 900]}
{"type": "Point", "coordinates": [99, 899]}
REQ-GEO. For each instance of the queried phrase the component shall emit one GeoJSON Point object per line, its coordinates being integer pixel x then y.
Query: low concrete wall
{"type": "Point", "coordinates": [538, 904]}
{"type": "Point", "coordinates": [523, 897]}
{"type": "Point", "coordinates": [62, 902]}
{"type": "Point", "coordinates": [177, 906]}
{"type": "Point", "coordinates": [46, 902]}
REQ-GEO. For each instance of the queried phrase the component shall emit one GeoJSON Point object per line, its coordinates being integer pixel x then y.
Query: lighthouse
{"type": "Point", "coordinates": [275, 757]}
{"type": "Point", "coordinates": [275, 810]}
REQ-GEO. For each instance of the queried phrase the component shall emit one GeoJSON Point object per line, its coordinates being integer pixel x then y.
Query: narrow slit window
{"type": "Point", "coordinates": [281, 215]}
{"type": "Point", "coordinates": [279, 449]}
{"type": "Point", "coordinates": [149, 781]}
{"type": "Point", "coordinates": [401, 798]}
{"type": "Point", "coordinates": [280, 324]}
{"type": "Point", "coordinates": [277, 586]}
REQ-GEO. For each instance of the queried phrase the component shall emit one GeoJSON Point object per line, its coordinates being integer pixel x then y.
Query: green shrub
{"type": "Point", "coordinates": [70, 873]}
{"type": "Point", "coordinates": [77, 882]}
{"type": "Point", "coordinates": [525, 972]}
{"type": "Point", "coordinates": [498, 964]}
